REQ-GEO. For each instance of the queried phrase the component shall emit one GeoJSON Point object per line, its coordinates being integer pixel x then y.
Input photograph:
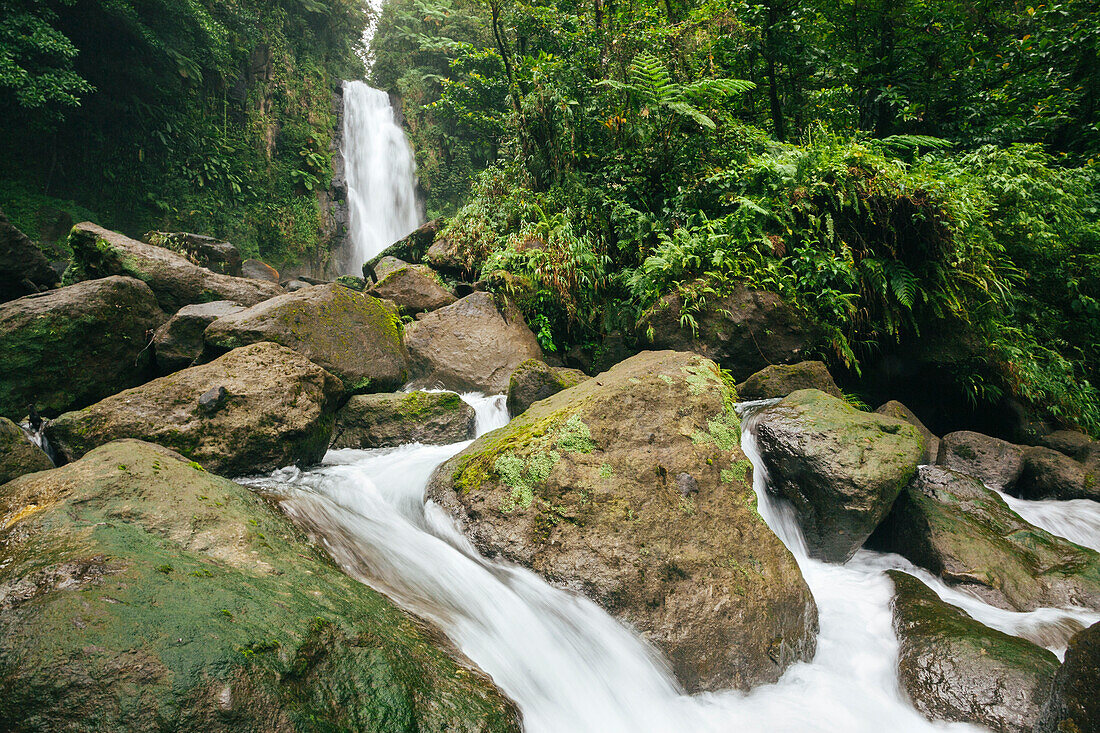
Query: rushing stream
{"type": "Point", "coordinates": [572, 668]}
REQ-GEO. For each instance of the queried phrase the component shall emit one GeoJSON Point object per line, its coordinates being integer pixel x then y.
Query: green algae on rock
{"type": "Point", "coordinates": [278, 408]}
{"type": "Point", "coordinates": [388, 420]}
{"type": "Point", "coordinates": [142, 593]}
{"type": "Point", "coordinates": [957, 669]}
{"type": "Point", "coordinates": [353, 335]}
{"type": "Point", "coordinates": [631, 489]}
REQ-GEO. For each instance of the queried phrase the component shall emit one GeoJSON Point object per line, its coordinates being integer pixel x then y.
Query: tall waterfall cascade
{"type": "Point", "coordinates": [381, 175]}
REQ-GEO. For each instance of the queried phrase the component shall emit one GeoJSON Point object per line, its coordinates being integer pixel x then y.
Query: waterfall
{"type": "Point", "coordinates": [381, 175]}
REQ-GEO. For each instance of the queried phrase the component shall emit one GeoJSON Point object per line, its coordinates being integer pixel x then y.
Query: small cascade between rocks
{"type": "Point", "coordinates": [571, 667]}
{"type": "Point", "coordinates": [381, 176]}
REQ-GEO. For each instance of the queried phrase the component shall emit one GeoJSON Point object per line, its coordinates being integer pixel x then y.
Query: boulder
{"type": "Point", "coordinates": [1049, 474]}
{"type": "Point", "coordinates": [779, 380]}
{"type": "Point", "coordinates": [141, 593]}
{"type": "Point", "coordinates": [277, 408]}
{"type": "Point", "coordinates": [23, 267]}
{"type": "Point", "coordinates": [447, 256]}
{"type": "Point", "coordinates": [18, 455]}
{"type": "Point", "coordinates": [839, 467]}
{"type": "Point", "coordinates": [354, 282]}
{"type": "Point", "coordinates": [409, 249]}
{"type": "Point", "coordinates": [259, 270]}
{"type": "Point", "coordinates": [1069, 442]}
{"type": "Point", "coordinates": [953, 526]}
{"type": "Point", "coordinates": [954, 668]}
{"type": "Point", "coordinates": [654, 519]}
{"type": "Point", "coordinates": [176, 281]}
{"type": "Point", "coordinates": [1074, 706]}
{"type": "Point", "coordinates": [213, 254]}
{"type": "Point", "coordinates": [295, 285]}
{"type": "Point", "coordinates": [893, 408]}
{"type": "Point", "coordinates": [179, 343]}
{"type": "Point", "coordinates": [69, 347]}
{"type": "Point", "coordinates": [414, 288]}
{"type": "Point", "coordinates": [472, 344]}
{"type": "Point", "coordinates": [743, 331]}
{"type": "Point", "coordinates": [354, 336]}
{"type": "Point", "coordinates": [997, 463]}
{"type": "Point", "coordinates": [385, 420]}
{"type": "Point", "coordinates": [386, 265]}
{"type": "Point", "coordinates": [535, 380]}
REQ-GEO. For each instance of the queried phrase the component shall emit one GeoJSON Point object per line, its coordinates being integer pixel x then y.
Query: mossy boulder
{"type": "Point", "coordinates": [1074, 705]}
{"type": "Point", "coordinates": [24, 269]}
{"type": "Point", "coordinates": [179, 343]}
{"type": "Point", "coordinates": [18, 455]}
{"type": "Point", "coordinates": [141, 593]}
{"type": "Point", "coordinates": [840, 467]}
{"type": "Point", "coordinates": [385, 420]}
{"type": "Point", "coordinates": [954, 668]}
{"type": "Point", "coordinates": [1049, 474]}
{"type": "Point", "coordinates": [535, 380]}
{"type": "Point", "coordinates": [473, 344]}
{"type": "Point", "coordinates": [213, 254]}
{"type": "Point", "coordinates": [176, 281]}
{"type": "Point", "coordinates": [410, 249]}
{"type": "Point", "coordinates": [744, 330]}
{"type": "Point", "coordinates": [951, 525]}
{"type": "Point", "coordinates": [69, 347]}
{"type": "Point", "coordinates": [997, 463]}
{"type": "Point", "coordinates": [255, 409]}
{"type": "Point", "coordinates": [386, 265]}
{"type": "Point", "coordinates": [414, 288]}
{"type": "Point", "coordinates": [631, 489]}
{"type": "Point", "coordinates": [779, 380]}
{"type": "Point", "coordinates": [893, 408]}
{"type": "Point", "coordinates": [353, 335]}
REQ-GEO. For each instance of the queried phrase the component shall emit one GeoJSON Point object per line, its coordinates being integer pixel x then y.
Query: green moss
{"type": "Point", "coordinates": [606, 471]}
{"type": "Point", "coordinates": [575, 437]}
{"type": "Point", "coordinates": [723, 431]}
{"type": "Point", "coordinates": [737, 472]}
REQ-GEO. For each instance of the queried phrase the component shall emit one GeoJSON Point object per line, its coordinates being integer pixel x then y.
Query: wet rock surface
{"type": "Point", "coordinates": [997, 463]}
{"type": "Point", "coordinates": [387, 420]}
{"type": "Point", "coordinates": [535, 380]}
{"type": "Point", "coordinates": [1074, 705]}
{"type": "Point", "coordinates": [179, 343]}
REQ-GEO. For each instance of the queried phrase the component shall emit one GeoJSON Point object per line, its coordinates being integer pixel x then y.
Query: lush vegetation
{"type": "Point", "coordinates": [206, 116]}
{"type": "Point", "coordinates": [905, 173]}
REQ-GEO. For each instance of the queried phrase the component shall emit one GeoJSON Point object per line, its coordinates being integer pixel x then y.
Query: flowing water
{"type": "Point", "coordinates": [381, 175]}
{"type": "Point", "coordinates": [570, 667]}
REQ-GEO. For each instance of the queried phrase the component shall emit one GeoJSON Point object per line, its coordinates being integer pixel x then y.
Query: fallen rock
{"type": "Point", "coordinates": [779, 380]}
{"type": "Point", "coordinates": [744, 331]}
{"type": "Point", "coordinates": [951, 525]}
{"type": "Point", "coordinates": [997, 463]}
{"type": "Point", "coordinates": [18, 455]}
{"type": "Point", "coordinates": [69, 347]}
{"type": "Point", "coordinates": [1074, 706]}
{"type": "Point", "coordinates": [213, 254]}
{"type": "Point", "coordinates": [279, 410]}
{"type": "Point", "coordinates": [1049, 474]}
{"type": "Point", "coordinates": [179, 343]}
{"type": "Point", "coordinates": [414, 288]}
{"type": "Point", "coordinates": [385, 420]}
{"type": "Point", "coordinates": [535, 380]}
{"type": "Point", "coordinates": [954, 668]}
{"type": "Point", "coordinates": [592, 498]}
{"type": "Point", "coordinates": [141, 593]}
{"type": "Point", "coordinates": [471, 344]}
{"type": "Point", "coordinates": [354, 336]}
{"type": "Point", "coordinates": [839, 467]}
{"type": "Point", "coordinates": [23, 267]}
{"type": "Point", "coordinates": [410, 249]}
{"type": "Point", "coordinates": [893, 408]}
{"type": "Point", "coordinates": [1069, 442]}
{"type": "Point", "coordinates": [386, 265]}
{"type": "Point", "coordinates": [296, 285]}
{"type": "Point", "coordinates": [259, 270]}
{"type": "Point", "coordinates": [176, 281]}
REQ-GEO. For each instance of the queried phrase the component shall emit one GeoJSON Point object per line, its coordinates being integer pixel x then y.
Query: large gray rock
{"type": "Point", "coordinates": [840, 468]}
{"type": "Point", "coordinates": [414, 288]}
{"type": "Point", "coordinates": [179, 343]}
{"type": "Point", "coordinates": [386, 265]}
{"type": "Point", "coordinates": [255, 409]}
{"type": "Point", "coordinates": [953, 526]}
{"type": "Point", "coordinates": [141, 593]}
{"type": "Point", "coordinates": [1069, 442]}
{"type": "Point", "coordinates": [954, 668]}
{"type": "Point", "coordinates": [473, 344]}
{"type": "Point", "coordinates": [997, 463]}
{"type": "Point", "coordinates": [1049, 474]}
{"type": "Point", "coordinates": [259, 270]}
{"type": "Point", "coordinates": [213, 254]}
{"type": "Point", "coordinates": [893, 408]}
{"type": "Point", "coordinates": [69, 347]}
{"type": "Point", "coordinates": [410, 249]}
{"type": "Point", "coordinates": [354, 336]}
{"type": "Point", "coordinates": [534, 380]}
{"type": "Point", "coordinates": [743, 331]}
{"type": "Point", "coordinates": [176, 281]}
{"type": "Point", "coordinates": [385, 420]}
{"type": "Point", "coordinates": [23, 267]}
{"type": "Point", "coordinates": [631, 488]}
{"type": "Point", "coordinates": [779, 380]}
{"type": "Point", "coordinates": [18, 455]}
{"type": "Point", "coordinates": [1074, 705]}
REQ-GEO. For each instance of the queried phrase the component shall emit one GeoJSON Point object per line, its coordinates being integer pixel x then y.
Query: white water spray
{"type": "Point", "coordinates": [381, 175]}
